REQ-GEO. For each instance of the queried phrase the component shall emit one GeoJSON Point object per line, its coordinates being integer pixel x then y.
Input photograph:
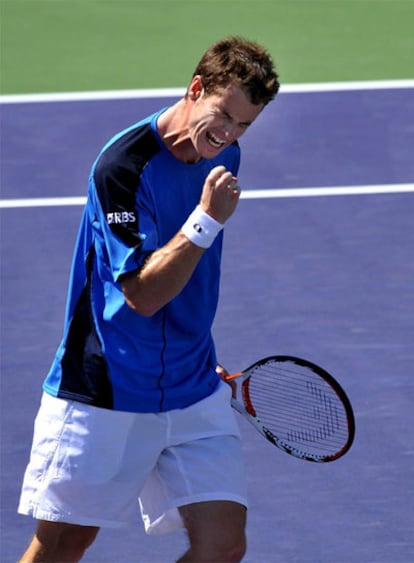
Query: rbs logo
{"type": "Point", "coordinates": [119, 218]}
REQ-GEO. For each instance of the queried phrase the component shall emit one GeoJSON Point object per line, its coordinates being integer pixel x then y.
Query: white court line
{"type": "Point", "coordinates": [246, 194]}
{"type": "Point", "coordinates": [329, 191]}
{"type": "Point", "coordinates": [178, 92]}
{"type": "Point", "coordinates": [172, 92]}
{"type": "Point", "coordinates": [42, 202]}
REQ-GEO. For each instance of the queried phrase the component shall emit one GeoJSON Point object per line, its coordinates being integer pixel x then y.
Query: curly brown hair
{"type": "Point", "coordinates": [240, 61]}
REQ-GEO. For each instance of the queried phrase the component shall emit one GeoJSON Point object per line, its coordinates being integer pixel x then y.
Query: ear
{"type": "Point", "coordinates": [195, 88]}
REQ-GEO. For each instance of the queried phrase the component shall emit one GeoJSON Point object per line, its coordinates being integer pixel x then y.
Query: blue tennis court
{"type": "Point", "coordinates": [325, 277]}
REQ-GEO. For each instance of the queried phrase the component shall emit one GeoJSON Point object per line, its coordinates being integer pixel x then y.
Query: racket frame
{"type": "Point", "coordinates": [247, 410]}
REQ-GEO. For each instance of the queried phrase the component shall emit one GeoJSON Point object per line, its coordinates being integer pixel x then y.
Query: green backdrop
{"type": "Point", "coordinates": [69, 45]}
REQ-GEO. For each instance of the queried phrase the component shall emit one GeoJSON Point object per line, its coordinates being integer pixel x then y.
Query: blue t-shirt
{"type": "Point", "coordinates": [139, 196]}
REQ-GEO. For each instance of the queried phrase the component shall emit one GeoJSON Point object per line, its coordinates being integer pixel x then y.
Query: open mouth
{"type": "Point", "coordinates": [214, 141]}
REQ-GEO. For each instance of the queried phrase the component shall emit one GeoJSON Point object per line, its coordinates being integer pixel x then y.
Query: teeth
{"type": "Point", "coordinates": [214, 141]}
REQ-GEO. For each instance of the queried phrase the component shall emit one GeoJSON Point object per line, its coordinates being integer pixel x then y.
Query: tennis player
{"type": "Point", "coordinates": [134, 408]}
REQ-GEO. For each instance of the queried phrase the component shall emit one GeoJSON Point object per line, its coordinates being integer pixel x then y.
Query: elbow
{"type": "Point", "coordinates": [136, 299]}
{"type": "Point", "coordinates": [141, 307]}
{"type": "Point", "coordinates": [141, 304]}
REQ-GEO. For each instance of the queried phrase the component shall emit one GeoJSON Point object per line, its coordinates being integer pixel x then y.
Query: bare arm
{"type": "Point", "coordinates": [169, 268]}
{"type": "Point", "coordinates": [163, 275]}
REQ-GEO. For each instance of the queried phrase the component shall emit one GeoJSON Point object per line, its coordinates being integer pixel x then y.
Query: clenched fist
{"type": "Point", "coordinates": [220, 194]}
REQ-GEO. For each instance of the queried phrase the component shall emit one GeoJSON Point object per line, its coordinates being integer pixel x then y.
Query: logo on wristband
{"type": "Point", "coordinates": [197, 227]}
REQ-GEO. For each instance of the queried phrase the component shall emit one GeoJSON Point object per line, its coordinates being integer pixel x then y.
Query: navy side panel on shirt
{"type": "Point", "coordinates": [84, 370]}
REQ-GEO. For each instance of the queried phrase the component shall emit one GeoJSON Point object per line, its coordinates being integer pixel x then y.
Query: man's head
{"type": "Point", "coordinates": [231, 85]}
{"type": "Point", "coordinates": [242, 63]}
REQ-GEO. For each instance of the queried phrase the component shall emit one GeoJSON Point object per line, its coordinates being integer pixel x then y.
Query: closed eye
{"type": "Point", "coordinates": [243, 124]}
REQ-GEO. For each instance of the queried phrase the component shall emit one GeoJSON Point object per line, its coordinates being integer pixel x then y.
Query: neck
{"type": "Point", "coordinates": [173, 129]}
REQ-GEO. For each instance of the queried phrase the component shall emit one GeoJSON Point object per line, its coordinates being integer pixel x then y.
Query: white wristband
{"type": "Point", "coordinates": [201, 228]}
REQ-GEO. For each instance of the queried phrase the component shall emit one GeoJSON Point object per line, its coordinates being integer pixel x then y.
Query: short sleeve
{"type": "Point", "coordinates": [125, 232]}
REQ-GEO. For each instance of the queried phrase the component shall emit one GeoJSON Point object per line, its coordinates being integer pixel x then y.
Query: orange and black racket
{"type": "Point", "coordinates": [297, 406]}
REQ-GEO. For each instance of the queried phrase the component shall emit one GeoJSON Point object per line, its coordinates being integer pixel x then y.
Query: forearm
{"type": "Point", "coordinates": [163, 276]}
{"type": "Point", "coordinates": [168, 269]}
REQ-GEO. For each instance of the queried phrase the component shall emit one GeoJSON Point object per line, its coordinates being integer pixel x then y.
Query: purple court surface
{"type": "Point", "coordinates": [325, 277]}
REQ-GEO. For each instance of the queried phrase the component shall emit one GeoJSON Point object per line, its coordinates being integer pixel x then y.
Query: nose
{"type": "Point", "coordinates": [230, 130]}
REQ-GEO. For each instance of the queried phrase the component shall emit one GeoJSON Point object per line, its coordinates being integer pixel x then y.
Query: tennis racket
{"type": "Point", "coordinates": [297, 406]}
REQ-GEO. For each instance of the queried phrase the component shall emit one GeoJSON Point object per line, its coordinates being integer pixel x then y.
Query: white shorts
{"type": "Point", "coordinates": [89, 466]}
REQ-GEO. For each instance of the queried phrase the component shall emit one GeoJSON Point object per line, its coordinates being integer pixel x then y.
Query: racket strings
{"type": "Point", "coordinates": [298, 402]}
{"type": "Point", "coordinates": [299, 407]}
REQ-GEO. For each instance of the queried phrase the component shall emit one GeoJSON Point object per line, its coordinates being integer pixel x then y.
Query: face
{"type": "Point", "coordinates": [217, 120]}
